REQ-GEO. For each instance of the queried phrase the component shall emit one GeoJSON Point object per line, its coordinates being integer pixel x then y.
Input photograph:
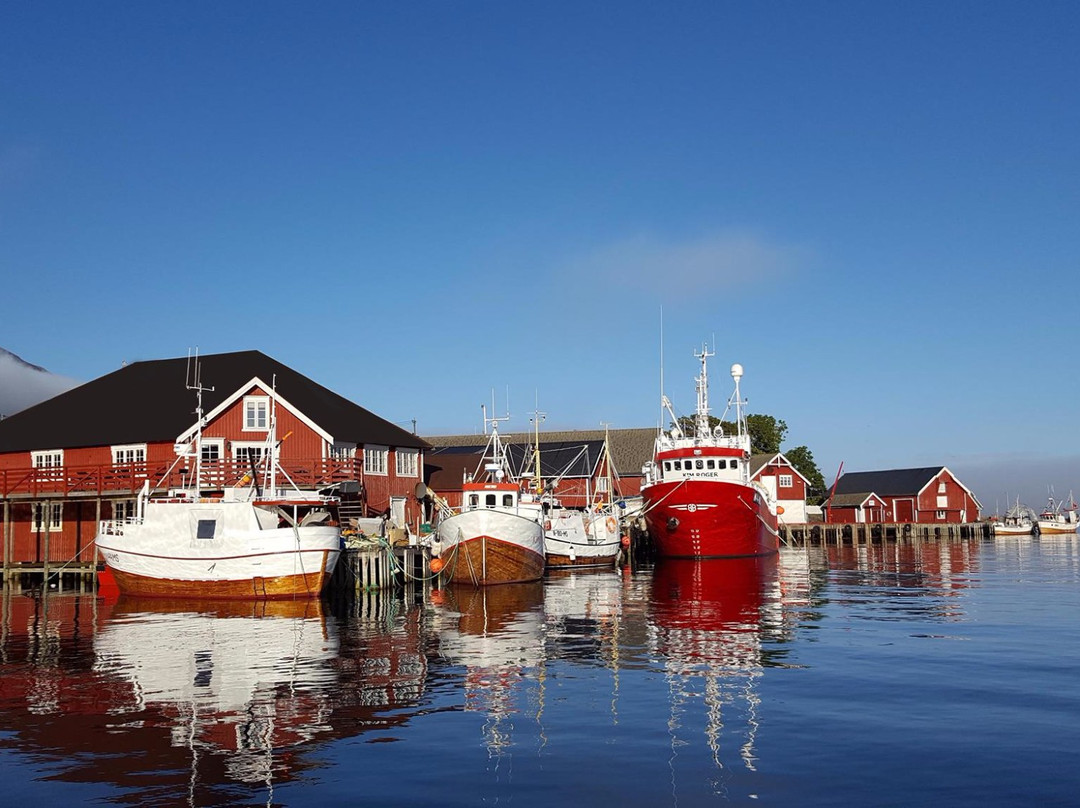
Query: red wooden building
{"type": "Point", "coordinates": [786, 484]}
{"type": "Point", "coordinates": [81, 457]}
{"type": "Point", "coordinates": [918, 496]}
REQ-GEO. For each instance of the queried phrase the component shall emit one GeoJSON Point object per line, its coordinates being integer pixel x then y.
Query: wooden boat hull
{"type": "Point", "coordinates": [1059, 528]}
{"type": "Point", "coordinates": [282, 587]}
{"type": "Point", "coordinates": [1012, 530]}
{"type": "Point", "coordinates": [709, 519]}
{"type": "Point", "coordinates": [487, 547]}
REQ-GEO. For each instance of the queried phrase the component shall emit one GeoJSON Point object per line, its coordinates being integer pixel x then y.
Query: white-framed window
{"type": "Point", "coordinates": [786, 481]}
{"type": "Point", "coordinates": [51, 459]}
{"type": "Point", "coordinates": [406, 463]}
{"type": "Point", "coordinates": [940, 515]}
{"type": "Point", "coordinates": [941, 487]}
{"type": "Point", "coordinates": [123, 510]}
{"type": "Point", "coordinates": [128, 454]}
{"type": "Point", "coordinates": [49, 516]}
{"type": "Point", "coordinates": [256, 413]}
{"type": "Point", "coordinates": [50, 463]}
{"type": "Point", "coordinates": [602, 485]}
{"type": "Point", "coordinates": [342, 451]}
{"type": "Point", "coordinates": [248, 451]}
{"type": "Point", "coordinates": [375, 459]}
{"type": "Point", "coordinates": [211, 450]}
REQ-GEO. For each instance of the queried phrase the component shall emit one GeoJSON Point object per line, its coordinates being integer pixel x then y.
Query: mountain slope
{"type": "Point", "coordinates": [23, 385]}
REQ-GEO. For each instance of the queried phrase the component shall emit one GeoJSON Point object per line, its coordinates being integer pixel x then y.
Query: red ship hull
{"type": "Point", "coordinates": [709, 519]}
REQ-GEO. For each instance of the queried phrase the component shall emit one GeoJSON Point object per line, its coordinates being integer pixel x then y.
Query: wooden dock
{"type": "Point", "coordinates": [877, 533]}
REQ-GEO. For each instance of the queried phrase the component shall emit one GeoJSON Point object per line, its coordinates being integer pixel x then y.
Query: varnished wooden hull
{"type": "Point", "coordinates": [555, 560]}
{"type": "Point", "coordinates": [487, 561]}
{"type": "Point", "coordinates": [283, 587]}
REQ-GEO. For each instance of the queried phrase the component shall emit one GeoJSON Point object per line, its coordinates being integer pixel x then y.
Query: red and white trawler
{"type": "Point", "coordinates": [699, 500]}
{"type": "Point", "coordinates": [497, 536]}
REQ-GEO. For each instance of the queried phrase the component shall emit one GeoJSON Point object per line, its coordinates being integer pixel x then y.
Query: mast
{"type": "Point", "coordinates": [193, 381]}
{"type": "Point", "coordinates": [701, 419]}
{"type": "Point", "coordinates": [537, 418]}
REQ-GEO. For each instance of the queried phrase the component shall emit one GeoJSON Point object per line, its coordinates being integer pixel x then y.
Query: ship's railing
{"type": "Point", "coordinates": [112, 480]}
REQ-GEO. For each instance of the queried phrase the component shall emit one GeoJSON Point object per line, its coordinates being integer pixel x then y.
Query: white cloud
{"type": "Point", "coordinates": [23, 385]}
{"type": "Point", "coordinates": [702, 265]}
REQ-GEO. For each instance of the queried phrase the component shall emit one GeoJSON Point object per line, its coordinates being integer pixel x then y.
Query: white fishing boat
{"type": "Point", "coordinates": [260, 541]}
{"type": "Point", "coordinates": [589, 536]}
{"type": "Point", "coordinates": [1059, 517]}
{"type": "Point", "coordinates": [496, 537]}
{"type": "Point", "coordinates": [1018, 521]}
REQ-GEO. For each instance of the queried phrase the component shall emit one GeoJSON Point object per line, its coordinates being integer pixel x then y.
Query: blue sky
{"type": "Point", "coordinates": [871, 206]}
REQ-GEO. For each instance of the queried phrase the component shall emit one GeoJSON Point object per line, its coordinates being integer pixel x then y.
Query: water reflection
{"type": "Point", "coordinates": [497, 634]}
{"type": "Point", "coordinates": [710, 617]}
{"type": "Point", "coordinates": [650, 676]}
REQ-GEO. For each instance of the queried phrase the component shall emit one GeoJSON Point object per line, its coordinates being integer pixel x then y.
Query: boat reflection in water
{"type": "Point", "coordinates": [711, 619]}
{"type": "Point", "coordinates": [241, 679]}
{"type": "Point", "coordinates": [497, 634]}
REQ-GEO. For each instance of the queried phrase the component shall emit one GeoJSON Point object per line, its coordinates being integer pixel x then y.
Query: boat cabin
{"type": "Point", "coordinates": [705, 463]}
{"type": "Point", "coordinates": [490, 495]}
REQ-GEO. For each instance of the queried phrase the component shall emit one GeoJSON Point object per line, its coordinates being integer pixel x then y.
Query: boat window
{"type": "Point", "coordinates": [710, 464]}
{"type": "Point", "coordinates": [508, 500]}
{"type": "Point", "coordinates": [474, 500]}
{"type": "Point", "coordinates": [205, 529]}
{"type": "Point", "coordinates": [678, 465]}
{"type": "Point", "coordinates": [700, 463]}
{"type": "Point", "coordinates": [489, 500]}
{"type": "Point", "coordinates": [667, 465]}
{"type": "Point", "coordinates": [734, 464]}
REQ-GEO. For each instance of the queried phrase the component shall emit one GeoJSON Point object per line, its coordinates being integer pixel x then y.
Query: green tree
{"type": "Point", "coordinates": [766, 433]}
{"type": "Point", "coordinates": [803, 461]}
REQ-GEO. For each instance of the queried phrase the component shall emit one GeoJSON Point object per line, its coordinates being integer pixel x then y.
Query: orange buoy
{"type": "Point", "coordinates": [780, 509]}
{"type": "Point", "coordinates": [436, 564]}
{"type": "Point", "coordinates": [625, 541]}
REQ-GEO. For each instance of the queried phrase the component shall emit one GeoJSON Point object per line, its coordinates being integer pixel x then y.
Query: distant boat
{"type": "Point", "coordinates": [260, 542]}
{"type": "Point", "coordinates": [1059, 517]}
{"type": "Point", "coordinates": [699, 500]}
{"type": "Point", "coordinates": [497, 536]}
{"type": "Point", "coordinates": [1017, 521]}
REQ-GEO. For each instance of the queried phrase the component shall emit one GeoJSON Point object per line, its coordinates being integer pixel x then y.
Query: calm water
{"type": "Point", "coordinates": [945, 674]}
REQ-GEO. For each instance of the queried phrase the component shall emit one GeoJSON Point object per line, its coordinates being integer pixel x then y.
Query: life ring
{"type": "Point", "coordinates": [611, 525]}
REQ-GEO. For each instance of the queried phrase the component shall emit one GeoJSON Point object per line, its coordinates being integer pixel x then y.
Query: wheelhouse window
{"type": "Point", "coordinates": [256, 413]}
{"type": "Point", "coordinates": [508, 500]}
{"type": "Point", "coordinates": [489, 501]}
{"type": "Point", "coordinates": [734, 464]}
{"type": "Point", "coordinates": [126, 455]}
{"type": "Point", "coordinates": [786, 481]}
{"type": "Point", "coordinates": [375, 459]}
{"type": "Point", "coordinates": [710, 464]}
{"type": "Point", "coordinates": [406, 462]}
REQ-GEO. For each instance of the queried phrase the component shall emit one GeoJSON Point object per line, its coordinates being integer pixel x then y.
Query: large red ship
{"type": "Point", "coordinates": [699, 499]}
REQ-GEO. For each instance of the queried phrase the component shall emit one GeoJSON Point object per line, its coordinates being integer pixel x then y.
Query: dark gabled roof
{"type": "Point", "coordinates": [894, 483]}
{"type": "Point", "coordinates": [850, 500]}
{"type": "Point", "coordinates": [630, 448]}
{"type": "Point", "coordinates": [557, 458]}
{"type": "Point", "coordinates": [147, 402]}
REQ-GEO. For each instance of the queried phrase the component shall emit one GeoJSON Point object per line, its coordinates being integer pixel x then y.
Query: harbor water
{"type": "Point", "coordinates": [932, 673]}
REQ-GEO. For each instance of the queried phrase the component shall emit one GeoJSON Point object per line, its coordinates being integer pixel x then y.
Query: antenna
{"type": "Point", "coordinates": [661, 364]}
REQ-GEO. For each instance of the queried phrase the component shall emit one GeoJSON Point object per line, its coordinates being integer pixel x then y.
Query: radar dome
{"type": "Point", "coordinates": [736, 371]}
